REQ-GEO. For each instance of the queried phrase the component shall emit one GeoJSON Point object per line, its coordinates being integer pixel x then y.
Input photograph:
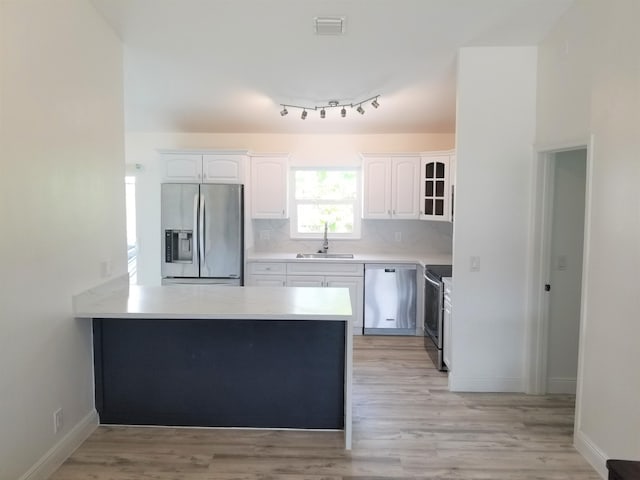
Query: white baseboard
{"type": "Point", "coordinates": [592, 454]}
{"type": "Point", "coordinates": [561, 385]}
{"type": "Point", "coordinates": [51, 461]}
{"type": "Point", "coordinates": [501, 385]}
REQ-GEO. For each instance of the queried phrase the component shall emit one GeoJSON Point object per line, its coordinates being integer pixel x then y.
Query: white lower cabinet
{"type": "Point", "coordinates": [262, 274]}
{"type": "Point", "coordinates": [319, 275]}
{"type": "Point", "coordinates": [266, 280]}
{"type": "Point", "coordinates": [305, 281]}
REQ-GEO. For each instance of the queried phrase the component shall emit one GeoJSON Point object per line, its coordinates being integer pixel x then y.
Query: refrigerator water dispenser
{"type": "Point", "coordinates": [178, 246]}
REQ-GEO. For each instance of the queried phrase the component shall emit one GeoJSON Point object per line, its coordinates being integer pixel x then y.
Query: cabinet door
{"type": "Point", "coordinates": [376, 188]}
{"type": "Point", "coordinates": [356, 292]}
{"type": "Point", "coordinates": [181, 168]}
{"type": "Point", "coordinates": [266, 280]}
{"type": "Point", "coordinates": [269, 187]}
{"type": "Point", "coordinates": [305, 281]}
{"type": "Point", "coordinates": [405, 177]}
{"type": "Point", "coordinates": [222, 169]}
{"type": "Point", "coordinates": [434, 188]}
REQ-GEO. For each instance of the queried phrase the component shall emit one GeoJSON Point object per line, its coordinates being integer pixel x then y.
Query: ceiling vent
{"type": "Point", "coordinates": [329, 25]}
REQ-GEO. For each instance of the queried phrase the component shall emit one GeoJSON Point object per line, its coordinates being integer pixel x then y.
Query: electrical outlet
{"type": "Point", "coordinates": [398, 236]}
{"type": "Point", "coordinates": [264, 235]}
{"type": "Point", "coordinates": [58, 420]}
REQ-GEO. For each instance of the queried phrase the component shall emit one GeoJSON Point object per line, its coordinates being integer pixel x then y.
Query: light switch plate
{"type": "Point", "coordinates": [474, 264]}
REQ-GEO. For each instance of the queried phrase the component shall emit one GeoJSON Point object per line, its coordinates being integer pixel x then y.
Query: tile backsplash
{"type": "Point", "coordinates": [378, 236]}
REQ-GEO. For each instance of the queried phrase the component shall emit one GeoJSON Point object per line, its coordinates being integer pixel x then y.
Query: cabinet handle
{"type": "Point", "coordinates": [394, 212]}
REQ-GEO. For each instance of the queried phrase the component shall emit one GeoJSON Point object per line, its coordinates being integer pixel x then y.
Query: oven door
{"type": "Point", "coordinates": [433, 296]}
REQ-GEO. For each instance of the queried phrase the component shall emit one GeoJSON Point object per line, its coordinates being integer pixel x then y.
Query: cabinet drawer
{"type": "Point", "coordinates": [261, 268]}
{"type": "Point", "coordinates": [266, 280]}
{"type": "Point", "coordinates": [350, 269]}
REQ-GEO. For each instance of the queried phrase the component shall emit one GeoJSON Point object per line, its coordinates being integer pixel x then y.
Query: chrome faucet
{"type": "Point", "coordinates": [325, 241]}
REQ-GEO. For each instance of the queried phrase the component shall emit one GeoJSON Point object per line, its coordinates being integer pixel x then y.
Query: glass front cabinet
{"type": "Point", "coordinates": [437, 187]}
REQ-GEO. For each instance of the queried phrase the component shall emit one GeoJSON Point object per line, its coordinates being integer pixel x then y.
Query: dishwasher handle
{"type": "Point", "coordinates": [390, 270]}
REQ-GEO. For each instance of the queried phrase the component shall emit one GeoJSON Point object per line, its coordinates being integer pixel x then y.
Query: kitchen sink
{"type": "Point", "coordinates": [324, 255]}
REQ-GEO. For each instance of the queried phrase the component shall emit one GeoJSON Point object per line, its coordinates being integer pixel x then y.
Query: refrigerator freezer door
{"type": "Point", "coordinates": [179, 230]}
{"type": "Point", "coordinates": [221, 211]}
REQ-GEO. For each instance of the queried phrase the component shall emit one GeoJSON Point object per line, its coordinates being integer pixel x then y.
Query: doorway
{"type": "Point", "coordinates": [566, 246]}
{"type": "Point", "coordinates": [561, 193]}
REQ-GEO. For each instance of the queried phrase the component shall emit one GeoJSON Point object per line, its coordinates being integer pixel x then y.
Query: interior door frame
{"type": "Point", "coordinates": [537, 329]}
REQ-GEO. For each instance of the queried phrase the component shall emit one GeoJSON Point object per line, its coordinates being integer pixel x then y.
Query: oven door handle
{"type": "Point", "coordinates": [433, 282]}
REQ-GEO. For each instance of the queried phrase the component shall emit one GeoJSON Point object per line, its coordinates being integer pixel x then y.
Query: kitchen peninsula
{"type": "Point", "coordinates": [215, 356]}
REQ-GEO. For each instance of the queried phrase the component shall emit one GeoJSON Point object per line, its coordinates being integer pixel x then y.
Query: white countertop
{"type": "Point", "coordinates": [414, 258]}
{"type": "Point", "coordinates": [215, 302]}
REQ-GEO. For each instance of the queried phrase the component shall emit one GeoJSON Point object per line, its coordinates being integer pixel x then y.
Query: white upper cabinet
{"type": "Point", "coordinates": [435, 187]}
{"type": "Point", "coordinates": [390, 187]}
{"type": "Point", "coordinates": [376, 191]}
{"type": "Point", "coordinates": [269, 187]}
{"type": "Point", "coordinates": [181, 167]}
{"type": "Point", "coordinates": [222, 168]}
{"type": "Point", "coordinates": [192, 167]}
{"type": "Point", "coordinates": [405, 176]}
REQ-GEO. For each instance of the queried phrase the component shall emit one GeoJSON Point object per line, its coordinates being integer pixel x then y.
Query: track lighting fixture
{"type": "Point", "coordinates": [332, 104]}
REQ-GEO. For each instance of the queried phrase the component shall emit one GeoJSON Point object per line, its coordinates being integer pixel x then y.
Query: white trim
{"type": "Point", "coordinates": [493, 384]}
{"type": "Point", "coordinates": [51, 461]}
{"type": "Point", "coordinates": [561, 385]}
{"type": "Point", "coordinates": [577, 424]}
{"type": "Point", "coordinates": [592, 454]}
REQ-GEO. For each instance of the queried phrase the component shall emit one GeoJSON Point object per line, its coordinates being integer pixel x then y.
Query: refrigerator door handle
{"type": "Point", "coordinates": [196, 259]}
{"type": "Point", "coordinates": [201, 232]}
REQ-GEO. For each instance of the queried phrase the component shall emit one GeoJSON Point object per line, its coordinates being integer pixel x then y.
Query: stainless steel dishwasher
{"type": "Point", "coordinates": [389, 299]}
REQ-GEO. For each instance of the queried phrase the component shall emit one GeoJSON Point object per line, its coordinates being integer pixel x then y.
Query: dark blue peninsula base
{"type": "Point", "coordinates": [220, 373]}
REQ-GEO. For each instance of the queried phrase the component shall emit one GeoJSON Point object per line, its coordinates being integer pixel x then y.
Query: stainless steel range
{"type": "Point", "coordinates": [433, 311]}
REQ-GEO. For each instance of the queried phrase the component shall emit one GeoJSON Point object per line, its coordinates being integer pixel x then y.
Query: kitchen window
{"type": "Point", "coordinates": [330, 195]}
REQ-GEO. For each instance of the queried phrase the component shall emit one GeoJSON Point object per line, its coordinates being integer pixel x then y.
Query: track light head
{"type": "Point", "coordinates": [360, 110]}
{"type": "Point", "coordinates": [284, 111]}
{"type": "Point", "coordinates": [343, 112]}
{"type": "Point", "coordinates": [375, 103]}
{"type": "Point", "coordinates": [322, 113]}
{"type": "Point", "coordinates": [304, 114]}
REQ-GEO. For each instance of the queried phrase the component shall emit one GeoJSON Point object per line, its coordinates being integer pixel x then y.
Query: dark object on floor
{"type": "Point", "coordinates": [623, 470]}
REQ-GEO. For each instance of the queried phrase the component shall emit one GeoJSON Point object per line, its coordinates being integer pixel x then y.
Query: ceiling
{"type": "Point", "coordinates": [227, 65]}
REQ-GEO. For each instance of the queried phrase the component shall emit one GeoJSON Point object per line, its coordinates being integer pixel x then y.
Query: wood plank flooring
{"type": "Point", "coordinates": [407, 425]}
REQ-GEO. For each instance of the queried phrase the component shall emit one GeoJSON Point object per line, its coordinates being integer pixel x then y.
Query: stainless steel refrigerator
{"type": "Point", "coordinates": [202, 233]}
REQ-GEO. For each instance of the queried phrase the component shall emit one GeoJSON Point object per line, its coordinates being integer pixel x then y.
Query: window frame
{"type": "Point", "coordinates": [356, 202]}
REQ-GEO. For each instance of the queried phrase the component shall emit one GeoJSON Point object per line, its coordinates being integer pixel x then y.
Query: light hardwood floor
{"type": "Point", "coordinates": [407, 425]}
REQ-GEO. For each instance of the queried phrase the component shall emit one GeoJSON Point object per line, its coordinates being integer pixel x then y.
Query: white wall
{"type": "Point", "coordinates": [565, 270]}
{"type": "Point", "coordinates": [61, 211]}
{"type": "Point", "coordinates": [495, 130]}
{"type": "Point", "coordinates": [600, 95]}
{"type": "Point", "coordinates": [311, 150]}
